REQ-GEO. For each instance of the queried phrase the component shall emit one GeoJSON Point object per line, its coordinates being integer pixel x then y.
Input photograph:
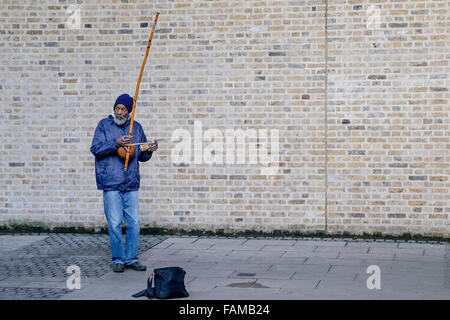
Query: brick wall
{"type": "Point", "coordinates": [361, 111]}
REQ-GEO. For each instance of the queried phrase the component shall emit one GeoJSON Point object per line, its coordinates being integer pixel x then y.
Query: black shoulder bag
{"type": "Point", "coordinates": [165, 283]}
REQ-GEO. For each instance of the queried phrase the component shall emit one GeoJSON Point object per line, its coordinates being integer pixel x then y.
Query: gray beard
{"type": "Point", "coordinates": [120, 120]}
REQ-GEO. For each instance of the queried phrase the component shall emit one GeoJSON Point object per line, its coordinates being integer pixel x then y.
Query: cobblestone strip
{"type": "Point", "coordinates": [49, 259]}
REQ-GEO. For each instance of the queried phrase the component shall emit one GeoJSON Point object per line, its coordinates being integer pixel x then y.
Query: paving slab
{"type": "Point", "coordinates": [347, 278]}
{"type": "Point", "coordinates": [205, 284]}
{"type": "Point", "coordinates": [288, 261]}
{"type": "Point", "coordinates": [328, 243]}
{"type": "Point", "coordinates": [193, 246]}
{"type": "Point", "coordinates": [412, 258]}
{"type": "Point", "coordinates": [218, 242]}
{"type": "Point", "coordinates": [251, 254]}
{"type": "Point", "coordinates": [235, 247]}
{"type": "Point", "coordinates": [183, 240]}
{"type": "Point", "coordinates": [440, 252]}
{"type": "Point", "coordinates": [336, 283]}
{"type": "Point", "coordinates": [369, 255]}
{"type": "Point", "coordinates": [343, 270]}
{"type": "Point", "coordinates": [407, 245]}
{"type": "Point", "coordinates": [237, 293]}
{"type": "Point", "coordinates": [208, 273]}
{"type": "Point", "coordinates": [220, 259]}
{"type": "Point", "coordinates": [362, 250]}
{"type": "Point", "coordinates": [298, 284]}
{"type": "Point", "coordinates": [305, 254]}
{"type": "Point", "coordinates": [163, 245]}
{"type": "Point", "coordinates": [288, 248]}
{"type": "Point", "coordinates": [251, 266]}
{"type": "Point", "coordinates": [313, 260]}
{"type": "Point", "coordinates": [198, 252]}
{"type": "Point", "coordinates": [373, 244]}
{"type": "Point", "coordinates": [270, 242]}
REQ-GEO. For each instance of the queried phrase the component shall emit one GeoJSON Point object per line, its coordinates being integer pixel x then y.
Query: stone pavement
{"type": "Point", "coordinates": [34, 267]}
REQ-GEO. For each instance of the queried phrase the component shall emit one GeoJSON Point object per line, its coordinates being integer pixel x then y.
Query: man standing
{"type": "Point", "coordinates": [120, 187]}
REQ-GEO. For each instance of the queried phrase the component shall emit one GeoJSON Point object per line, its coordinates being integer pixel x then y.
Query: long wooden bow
{"type": "Point", "coordinates": [127, 157]}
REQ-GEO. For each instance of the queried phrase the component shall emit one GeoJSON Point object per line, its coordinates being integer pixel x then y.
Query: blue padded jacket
{"type": "Point", "coordinates": [109, 173]}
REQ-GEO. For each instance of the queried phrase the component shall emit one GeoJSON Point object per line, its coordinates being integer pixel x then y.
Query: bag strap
{"type": "Point", "coordinates": [152, 292]}
{"type": "Point", "coordinates": [149, 292]}
{"type": "Point", "coordinates": [140, 293]}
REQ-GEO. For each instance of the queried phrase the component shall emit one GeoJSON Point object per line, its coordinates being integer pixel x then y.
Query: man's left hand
{"type": "Point", "coordinates": [151, 146]}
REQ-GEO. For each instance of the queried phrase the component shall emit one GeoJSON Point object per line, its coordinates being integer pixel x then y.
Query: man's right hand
{"type": "Point", "coordinates": [123, 141]}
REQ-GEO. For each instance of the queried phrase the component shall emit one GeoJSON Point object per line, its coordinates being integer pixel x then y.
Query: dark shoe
{"type": "Point", "coordinates": [136, 266]}
{"type": "Point", "coordinates": [118, 267]}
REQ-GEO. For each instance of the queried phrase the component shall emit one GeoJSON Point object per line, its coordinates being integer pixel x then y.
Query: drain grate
{"type": "Point", "coordinates": [244, 274]}
{"type": "Point", "coordinates": [247, 285]}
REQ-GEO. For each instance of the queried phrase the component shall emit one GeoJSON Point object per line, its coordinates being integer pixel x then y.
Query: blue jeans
{"type": "Point", "coordinates": [121, 206]}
